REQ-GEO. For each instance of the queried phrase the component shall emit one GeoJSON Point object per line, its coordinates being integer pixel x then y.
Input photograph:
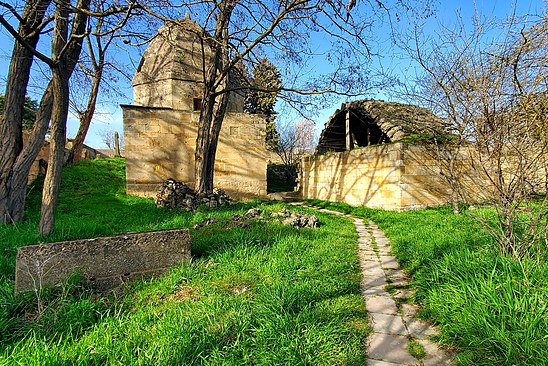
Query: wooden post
{"type": "Point", "coordinates": [348, 139]}
{"type": "Point", "coordinates": [116, 144]}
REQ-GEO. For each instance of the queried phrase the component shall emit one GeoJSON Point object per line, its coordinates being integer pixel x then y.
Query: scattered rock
{"type": "Point", "coordinates": [174, 194]}
{"type": "Point", "coordinates": [297, 220]}
{"type": "Point", "coordinates": [285, 216]}
{"type": "Point", "coordinates": [205, 222]}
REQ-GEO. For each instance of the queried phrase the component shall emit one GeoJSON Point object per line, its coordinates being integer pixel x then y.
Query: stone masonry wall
{"type": "Point", "coordinates": [367, 176]}
{"type": "Point", "coordinates": [105, 262]}
{"type": "Point", "coordinates": [160, 144]}
{"type": "Point", "coordinates": [390, 176]}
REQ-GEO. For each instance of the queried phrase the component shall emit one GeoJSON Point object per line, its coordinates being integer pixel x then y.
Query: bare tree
{"type": "Point", "coordinates": [490, 85]}
{"type": "Point", "coordinates": [69, 29]}
{"type": "Point", "coordinates": [97, 73]}
{"type": "Point", "coordinates": [296, 140]}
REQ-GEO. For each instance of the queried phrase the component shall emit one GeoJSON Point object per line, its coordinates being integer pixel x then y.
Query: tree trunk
{"type": "Point", "coordinates": [26, 158]}
{"type": "Point", "coordinates": [16, 87]}
{"type": "Point", "coordinates": [212, 115]}
{"type": "Point", "coordinates": [65, 61]}
{"type": "Point", "coordinates": [202, 178]}
{"type": "Point", "coordinates": [214, 139]}
{"type": "Point", "coordinates": [52, 182]}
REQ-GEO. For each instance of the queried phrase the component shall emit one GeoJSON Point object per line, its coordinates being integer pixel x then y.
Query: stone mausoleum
{"type": "Point", "coordinates": [160, 129]}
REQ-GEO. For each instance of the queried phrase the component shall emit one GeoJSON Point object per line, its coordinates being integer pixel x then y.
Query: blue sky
{"type": "Point", "coordinates": [109, 115]}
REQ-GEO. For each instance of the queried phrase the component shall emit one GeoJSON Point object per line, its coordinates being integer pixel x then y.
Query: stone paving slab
{"type": "Point", "coordinates": [435, 356]}
{"type": "Point", "coordinates": [389, 324]}
{"type": "Point", "coordinates": [393, 326]}
{"type": "Point", "coordinates": [374, 291]}
{"type": "Point", "coordinates": [381, 305]}
{"type": "Point", "coordinates": [419, 328]}
{"type": "Point", "coordinates": [371, 362]}
{"type": "Point", "coordinates": [409, 310]}
{"type": "Point", "coordinates": [390, 348]}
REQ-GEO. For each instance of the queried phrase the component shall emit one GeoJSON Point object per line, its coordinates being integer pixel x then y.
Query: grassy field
{"type": "Point", "coordinates": [268, 294]}
{"type": "Point", "coordinates": [494, 309]}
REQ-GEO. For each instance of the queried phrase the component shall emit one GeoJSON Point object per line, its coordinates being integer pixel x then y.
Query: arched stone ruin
{"type": "Point", "coordinates": [368, 155]}
{"type": "Point", "coordinates": [375, 122]}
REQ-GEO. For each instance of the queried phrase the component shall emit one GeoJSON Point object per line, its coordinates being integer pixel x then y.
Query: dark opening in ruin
{"type": "Point", "coordinates": [197, 104]}
{"type": "Point", "coordinates": [350, 129]}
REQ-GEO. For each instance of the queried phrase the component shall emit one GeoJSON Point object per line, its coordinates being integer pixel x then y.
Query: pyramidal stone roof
{"type": "Point", "coordinates": [174, 53]}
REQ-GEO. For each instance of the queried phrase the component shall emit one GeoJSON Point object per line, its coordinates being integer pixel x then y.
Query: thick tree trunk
{"type": "Point", "coordinates": [16, 87]}
{"type": "Point", "coordinates": [52, 182]}
{"type": "Point", "coordinates": [214, 139]}
{"type": "Point", "coordinates": [65, 61]}
{"type": "Point", "coordinates": [203, 182]}
{"type": "Point", "coordinates": [21, 169]}
{"type": "Point", "coordinates": [212, 114]}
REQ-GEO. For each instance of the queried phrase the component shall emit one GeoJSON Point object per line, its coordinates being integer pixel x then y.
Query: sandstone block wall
{"type": "Point", "coordinates": [105, 262]}
{"type": "Point", "coordinates": [160, 144]}
{"type": "Point", "coordinates": [390, 176]}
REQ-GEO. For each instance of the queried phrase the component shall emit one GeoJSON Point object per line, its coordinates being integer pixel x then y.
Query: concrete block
{"type": "Point", "coordinates": [105, 262]}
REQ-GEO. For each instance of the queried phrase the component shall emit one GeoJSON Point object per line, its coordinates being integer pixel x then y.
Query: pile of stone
{"type": "Point", "coordinates": [174, 194]}
{"type": "Point", "coordinates": [297, 220]}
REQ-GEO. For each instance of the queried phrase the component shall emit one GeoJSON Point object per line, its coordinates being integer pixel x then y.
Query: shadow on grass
{"type": "Point", "coordinates": [72, 310]}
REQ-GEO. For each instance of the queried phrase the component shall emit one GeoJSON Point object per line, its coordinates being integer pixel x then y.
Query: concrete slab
{"type": "Point", "coordinates": [389, 348]}
{"type": "Point", "coordinates": [381, 305]}
{"type": "Point", "coordinates": [390, 324]}
{"type": "Point", "coordinates": [419, 328]}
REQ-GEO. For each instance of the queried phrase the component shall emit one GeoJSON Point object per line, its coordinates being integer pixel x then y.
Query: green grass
{"type": "Point", "coordinates": [416, 350]}
{"type": "Point", "coordinates": [265, 295]}
{"type": "Point", "coordinates": [491, 307]}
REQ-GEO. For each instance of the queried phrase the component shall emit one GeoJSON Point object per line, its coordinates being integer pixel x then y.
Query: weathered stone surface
{"type": "Point", "coordinates": [436, 356]}
{"type": "Point", "coordinates": [160, 130]}
{"type": "Point", "coordinates": [419, 328]}
{"type": "Point", "coordinates": [104, 262]}
{"type": "Point", "coordinates": [390, 348]}
{"type": "Point", "coordinates": [175, 194]}
{"type": "Point", "coordinates": [384, 323]}
{"type": "Point", "coordinates": [371, 362]}
{"type": "Point", "coordinates": [161, 142]}
{"type": "Point", "coordinates": [373, 177]}
{"type": "Point", "coordinates": [381, 304]}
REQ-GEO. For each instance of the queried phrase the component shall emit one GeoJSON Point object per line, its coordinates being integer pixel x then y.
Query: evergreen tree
{"type": "Point", "coordinates": [265, 85]}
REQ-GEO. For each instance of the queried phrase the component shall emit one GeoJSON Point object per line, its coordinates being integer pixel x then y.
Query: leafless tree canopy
{"type": "Point", "coordinates": [491, 85]}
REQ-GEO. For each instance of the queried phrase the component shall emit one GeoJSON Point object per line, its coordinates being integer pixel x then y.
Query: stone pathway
{"type": "Point", "coordinates": [395, 329]}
